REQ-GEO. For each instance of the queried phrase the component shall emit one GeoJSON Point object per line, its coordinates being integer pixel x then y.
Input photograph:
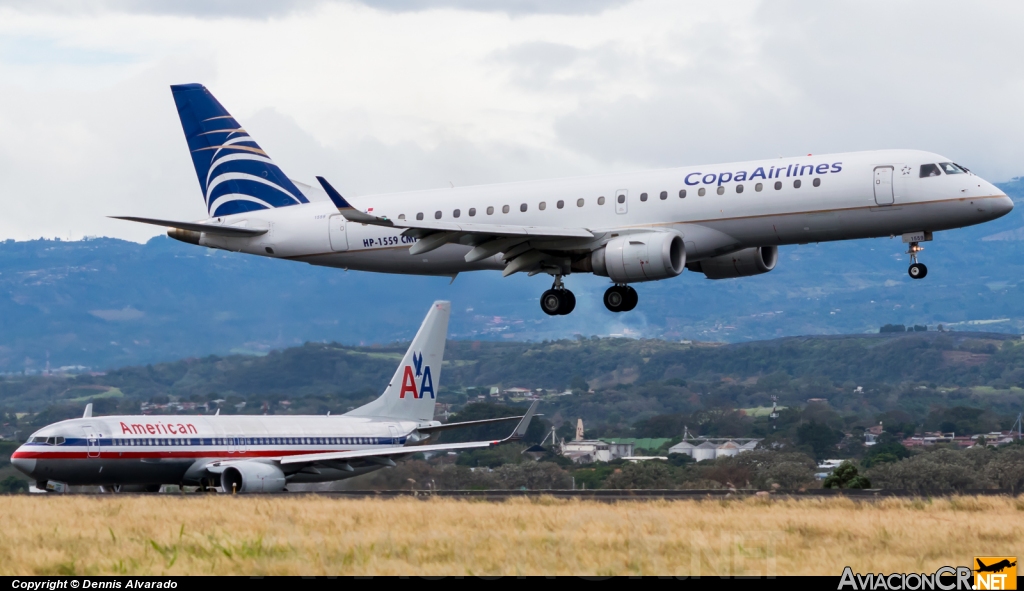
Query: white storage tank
{"type": "Point", "coordinates": [728, 449]}
{"type": "Point", "coordinates": [704, 451]}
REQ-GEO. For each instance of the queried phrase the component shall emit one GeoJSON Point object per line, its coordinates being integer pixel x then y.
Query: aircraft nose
{"type": "Point", "coordinates": [25, 465]}
{"type": "Point", "coordinates": [1002, 206]}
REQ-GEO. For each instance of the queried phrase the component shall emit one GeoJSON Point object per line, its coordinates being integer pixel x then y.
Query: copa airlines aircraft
{"type": "Point", "coordinates": [257, 453]}
{"type": "Point", "coordinates": [723, 220]}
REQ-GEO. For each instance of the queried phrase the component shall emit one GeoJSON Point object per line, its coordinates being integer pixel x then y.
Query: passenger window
{"type": "Point", "coordinates": [701, 192]}
{"type": "Point", "coordinates": [401, 216]}
{"type": "Point", "coordinates": [950, 168]}
{"type": "Point", "coordinates": [437, 215]}
{"type": "Point", "coordinates": [928, 170]}
{"type": "Point", "coordinates": [739, 188]}
{"type": "Point", "coordinates": [817, 182]}
{"type": "Point", "coordinates": [600, 200]}
{"type": "Point", "coordinates": [419, 216]}
{"type": "Point", "coordinates": [472, 211]}
{"type": "Point", "coordinates": [522, 208]}
{"type": "Point", "coordinates": [796, 184]}
{"type": "Point", "coordinates": [621, 198]}
{"type": "Point", "coordinates": [579, 202]}
{"type": "Point", "coordinates": [721, 191]}
{"type": "Point", "coordinates": [778, 185]}
{"type": "Point", "coordinates": [504, 209]}
{"type": "Point", "coordinates": [663, 195]}
{"type": "Point", "coordinates": [542, 206]}
{"type": "Point", "coordinates": [490, 210]}
{"type": "Point", "coordinates": [682, 193]}
{"type": "Point", "coordinates": [643, 196]}
{"type": "Point", "coordinates": [456, 213]}
{"type": "Point", "coordinates": [560, 204]}
{"type": "Point", "coordinates": [758, 187]}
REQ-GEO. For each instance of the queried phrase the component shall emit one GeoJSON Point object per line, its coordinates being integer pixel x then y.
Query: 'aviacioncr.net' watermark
{"type": "Point", "coordinates": [989, 573]}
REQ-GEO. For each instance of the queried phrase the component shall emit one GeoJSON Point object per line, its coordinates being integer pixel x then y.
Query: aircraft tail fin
{"type": "Point", "coordinates": [234, 172]}
{"type": "Point", "coordinates": [413, 389]}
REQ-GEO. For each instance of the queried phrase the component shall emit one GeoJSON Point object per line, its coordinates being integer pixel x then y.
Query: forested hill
{"type": "Point", "coordinates": [107, 303]}
{"type": "Point", "coordinates": [631, 378]}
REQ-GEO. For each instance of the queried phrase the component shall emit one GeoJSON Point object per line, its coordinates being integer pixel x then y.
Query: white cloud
{"type": "Point", "coordinates": [419, 94]}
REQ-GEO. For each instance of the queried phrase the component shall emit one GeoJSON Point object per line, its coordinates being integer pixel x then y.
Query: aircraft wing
{"type": "Point", "coordinates": [387, 453]}
{"type": "Point", "coordinates": [232, 231]}
{"type": "Point", "coordinates": [487, 240]}
{"type": "Point", "coordinates": [464, 424]}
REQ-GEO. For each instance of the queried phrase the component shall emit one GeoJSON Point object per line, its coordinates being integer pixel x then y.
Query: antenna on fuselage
{"type": "Point", "coordinates": [216, 413]}
{"type": "Point", "coordinates": [88, 411]}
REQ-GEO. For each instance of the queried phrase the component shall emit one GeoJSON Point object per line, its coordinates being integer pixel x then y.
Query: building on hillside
{"type": "Point", "coordinates": [826, 467]}
{"type": "Point", "coordinates": [593, 450]}
{"type": "Point", "coordinates": [651, 444]}
{"type": "Point", "coordinates": [518, 392]}
{"type": "Point", "coordinates": [871, 434]}
{"type": "Point", "coordinates": [996, 438]}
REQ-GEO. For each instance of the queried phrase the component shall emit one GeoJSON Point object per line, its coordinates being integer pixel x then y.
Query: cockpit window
{"type": "Point", "coordinates": [37, 440]}
{"type": "Point", "coordinates": [950, 168]}
{"type": "Point", "coordinates": [928, 170]}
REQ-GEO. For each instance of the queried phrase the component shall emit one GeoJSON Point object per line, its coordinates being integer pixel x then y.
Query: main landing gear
{"type": "Point", "coordinates": [620, 298]}
{"type": "Point", "coordinates": [917, 270]}
{"type": "Point", "coordinates": [557, 301]}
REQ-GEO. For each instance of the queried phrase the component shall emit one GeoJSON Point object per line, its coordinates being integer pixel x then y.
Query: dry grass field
{"type": "Point", "coordinates": [282, 535]}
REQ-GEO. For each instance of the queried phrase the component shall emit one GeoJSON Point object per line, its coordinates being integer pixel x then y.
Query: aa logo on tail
{"type": "Point", "coordinates": [409, 380]}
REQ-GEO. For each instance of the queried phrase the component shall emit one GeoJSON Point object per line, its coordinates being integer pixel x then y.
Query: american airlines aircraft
{"type": "Point", "coordinates": [722, 220]}
{"type": "Point", "coordinates": [257, 453]}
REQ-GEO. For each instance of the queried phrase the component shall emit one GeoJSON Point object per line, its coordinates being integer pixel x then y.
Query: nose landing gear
{"type": "Point", "coordinates": [620, 298]}
{"type": "Point", "coordinates": [557, 301]}
{"type": "Point", "coordinates": [917, 270]}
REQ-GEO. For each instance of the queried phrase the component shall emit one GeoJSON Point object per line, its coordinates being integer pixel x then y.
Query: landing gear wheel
{"type": "Point", "coordinates": [568, 302]}
{"type": "Point", "coordinates": [918, 271]}
{"type": "Point", "coordinates": [551, 301]}
{"type": "Point", "coordinates": [631, 298]}
{"type": "Point", "coordinates": [616, 298]}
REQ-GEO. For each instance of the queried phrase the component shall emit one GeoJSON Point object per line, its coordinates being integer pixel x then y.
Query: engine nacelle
{"type": "Point", "coordinates": [742, 263]}
{"type": "Point", "coordinates": [252, 477]}
{"type": "Point", "coordinates": [640, 257]}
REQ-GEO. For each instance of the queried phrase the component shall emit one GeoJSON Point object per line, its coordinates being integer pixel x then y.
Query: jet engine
{"type": "Point", "coordinates": [640, 257]}
{"type": "Point", "coordinates": [252, 477]}
{"type": "Point", "coordinates": [742, 263]}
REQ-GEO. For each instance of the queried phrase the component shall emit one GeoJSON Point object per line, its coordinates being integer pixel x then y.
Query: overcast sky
{"type": "Point", "coordinates": [411, 94]}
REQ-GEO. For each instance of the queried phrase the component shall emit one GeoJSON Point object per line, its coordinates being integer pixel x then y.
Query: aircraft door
{"type": "Point", "coordinates": [338, 235]}
{"type": "Point", "coordinates": [92, 443]}
{"type": "Point", "coordinates": [621, 201]}
{"type": "Point", "coordinates": [883, 185]}
{"type": "Point", "coordinates": [393, 430]}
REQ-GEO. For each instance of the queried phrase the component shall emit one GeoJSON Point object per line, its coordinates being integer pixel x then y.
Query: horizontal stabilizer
{"type": "Point", "coordinates": [233, 231]}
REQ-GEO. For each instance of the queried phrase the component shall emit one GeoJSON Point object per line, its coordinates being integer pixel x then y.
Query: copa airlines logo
{"type": "Point", "coordinates": [238, 176]}
{"type": "Point", "coordinates": [720, 178]}
{"type": "Point", "coordinates": [426, 383]}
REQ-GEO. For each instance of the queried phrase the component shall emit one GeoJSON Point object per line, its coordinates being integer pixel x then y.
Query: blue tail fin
{"type": "Point", "coordinates": [235, 174]}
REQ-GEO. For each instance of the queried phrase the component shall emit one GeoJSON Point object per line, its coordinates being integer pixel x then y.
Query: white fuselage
{"type": "Point", "coordinates": [718, 209]}
{"type": "Point", "coordinates": [163, 449]}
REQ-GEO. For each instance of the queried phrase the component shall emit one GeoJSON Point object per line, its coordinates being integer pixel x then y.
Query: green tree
{"type": "Point", "coordinates": [651, 474]}
{"type": "Point", "coordinates": [13, 484]}
{"type": "Point", "coordinates": [846, 476]}
{"type": "Point", "coordinates": [821, 438]}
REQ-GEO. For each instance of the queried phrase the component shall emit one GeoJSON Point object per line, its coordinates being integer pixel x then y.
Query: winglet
{"type": "Point", "coordinates": [333, 193]}
{"type": "Point", "coordinates": [88, 411]}
{"type": "Point", "coordinates": [524, 423]}
{"type": "Point", "coordinates": [347, 211]}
